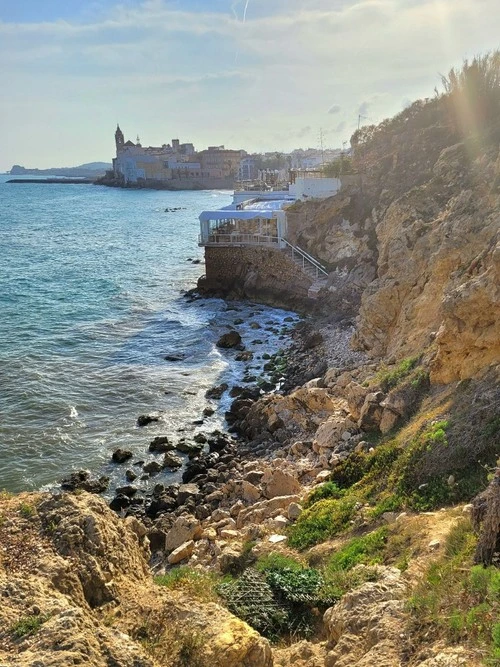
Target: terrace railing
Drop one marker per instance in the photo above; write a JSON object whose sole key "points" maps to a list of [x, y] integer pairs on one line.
{"points": [[308, 263]]}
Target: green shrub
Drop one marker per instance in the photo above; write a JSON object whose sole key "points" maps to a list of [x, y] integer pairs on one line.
{"points": [[390, 379], [276, 561], [27, 626], [323, 520], [367, 550], [326, 490]]}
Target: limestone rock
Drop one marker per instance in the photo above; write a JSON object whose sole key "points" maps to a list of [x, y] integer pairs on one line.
{"points": [[182, 552], [365, 626], [185, 528], [281, 484]]}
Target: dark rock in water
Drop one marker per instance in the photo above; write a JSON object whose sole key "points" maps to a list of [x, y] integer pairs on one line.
{"points": [[255, 325], [152, 467], [197, 422], [175, 357], [238, 321], [199, 466], [127, 490], [216, 392], [208, 412], [244, 356], [245, 392], [228, 340], [81, 480], [266, 355], [144, 420], [130, 475], [265, 385], [196, 261], [160, 444], [172, 461], [188, 447], [217, 442], [200, 438], [257, 341], [120, 502], [121, 455]]}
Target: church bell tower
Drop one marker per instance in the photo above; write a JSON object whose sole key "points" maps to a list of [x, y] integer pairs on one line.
{"points": [[119, 139]]}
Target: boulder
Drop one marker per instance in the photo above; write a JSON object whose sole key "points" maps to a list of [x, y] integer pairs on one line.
{"points": [[371, 412], [172, 461], [229, 340], [183, 552], [144, 420], [217, 391], [121, 455], [82, 480], [281, 484], [185, 528], [160, 444]]}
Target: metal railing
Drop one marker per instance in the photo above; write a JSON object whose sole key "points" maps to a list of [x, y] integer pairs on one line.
{"points": [[305, 260], [234, 238]]}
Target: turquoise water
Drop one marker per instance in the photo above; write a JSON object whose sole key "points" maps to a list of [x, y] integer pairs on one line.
{"points": [[91, 284]]}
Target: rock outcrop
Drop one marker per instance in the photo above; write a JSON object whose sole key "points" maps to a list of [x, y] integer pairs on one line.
{"points": [[76, 589]]}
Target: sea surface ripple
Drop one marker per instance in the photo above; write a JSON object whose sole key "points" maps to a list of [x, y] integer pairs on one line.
{"points": [[91, 299]]}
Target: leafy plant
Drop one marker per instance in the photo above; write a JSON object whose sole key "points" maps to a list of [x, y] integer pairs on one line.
{"points": [[367, 550], [326, 490], [27, 625], [323, 520]]}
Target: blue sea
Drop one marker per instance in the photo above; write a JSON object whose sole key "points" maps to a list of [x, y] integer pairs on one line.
{"points": [[92, 284]]}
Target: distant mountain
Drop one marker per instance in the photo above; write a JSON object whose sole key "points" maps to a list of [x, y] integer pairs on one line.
{"points": [[89, 170]]}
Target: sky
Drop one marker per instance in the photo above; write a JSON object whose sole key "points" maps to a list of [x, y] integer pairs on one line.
{"points": [[262, 75]]}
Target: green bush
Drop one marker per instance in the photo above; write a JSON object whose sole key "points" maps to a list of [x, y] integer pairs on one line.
{"points": [[277, 561], [323, 520], [326, 490], [28, 625], [391, 378], [367, 550]]}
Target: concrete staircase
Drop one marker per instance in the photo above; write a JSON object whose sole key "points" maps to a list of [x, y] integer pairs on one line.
{"points": [[309, 266]]}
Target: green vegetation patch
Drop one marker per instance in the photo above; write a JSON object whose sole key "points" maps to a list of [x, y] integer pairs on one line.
{"points": [[322, 521], [326, 490], [195, 583], [457, 601], [367, 550], [28, 625], [388, 379]]}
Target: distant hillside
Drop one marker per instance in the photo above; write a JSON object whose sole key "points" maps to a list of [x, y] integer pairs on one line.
{"points": [[90, 169]]}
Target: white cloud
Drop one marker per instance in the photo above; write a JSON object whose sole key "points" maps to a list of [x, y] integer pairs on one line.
{"points": [[158, 66]]}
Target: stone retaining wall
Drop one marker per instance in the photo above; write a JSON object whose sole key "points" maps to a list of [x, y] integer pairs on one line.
{"points": [[257, 273]]}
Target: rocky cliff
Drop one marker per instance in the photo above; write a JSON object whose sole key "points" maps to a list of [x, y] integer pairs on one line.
{"points": [[76, 588], [417, 241]]}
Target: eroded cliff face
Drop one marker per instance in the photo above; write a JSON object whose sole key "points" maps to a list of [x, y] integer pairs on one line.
{"points": [[437, 270], [418, 243], [75, 589]]}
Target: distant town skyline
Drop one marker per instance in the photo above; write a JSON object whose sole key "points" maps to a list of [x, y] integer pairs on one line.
{"points": [[261, 75]]}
